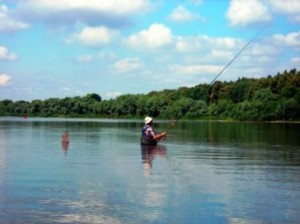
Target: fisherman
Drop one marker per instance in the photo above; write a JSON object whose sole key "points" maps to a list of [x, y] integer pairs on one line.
{"points": [[65, 137], [65, 141], [148, 135]]}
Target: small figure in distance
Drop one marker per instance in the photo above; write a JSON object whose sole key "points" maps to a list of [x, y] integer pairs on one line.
{"points": [[149, 137], [65, 137], [65, 141]]}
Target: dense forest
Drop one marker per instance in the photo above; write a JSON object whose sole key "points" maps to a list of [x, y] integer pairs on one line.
{"points": [[263, 99]]}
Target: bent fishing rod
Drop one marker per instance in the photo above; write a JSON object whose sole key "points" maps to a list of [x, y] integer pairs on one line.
{"points": [[170, 127], [226, 66], [235, 57]]}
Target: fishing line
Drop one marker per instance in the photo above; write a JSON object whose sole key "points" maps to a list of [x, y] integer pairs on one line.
{"points": [[232, 60]]}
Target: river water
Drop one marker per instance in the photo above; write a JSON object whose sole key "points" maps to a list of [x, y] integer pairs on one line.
{"points": [[204, 172]]}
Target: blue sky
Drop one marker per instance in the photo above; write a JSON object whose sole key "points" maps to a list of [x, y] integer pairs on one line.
{"points": [[74, 47]]}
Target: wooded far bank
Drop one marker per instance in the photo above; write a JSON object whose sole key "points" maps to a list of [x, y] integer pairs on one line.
{"points": [[247, 99]]}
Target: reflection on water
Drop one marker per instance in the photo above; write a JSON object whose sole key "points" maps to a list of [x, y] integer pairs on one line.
{"points": [[238, 132], [205, 172], [148, 154], [65, 147]]}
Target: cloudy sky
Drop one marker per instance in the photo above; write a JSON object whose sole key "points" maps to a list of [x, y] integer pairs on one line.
{"points": [[110, 47]]}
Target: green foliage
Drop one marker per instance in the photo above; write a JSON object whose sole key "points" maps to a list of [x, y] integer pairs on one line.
{"points": [[241, 91], [264, 99], [197, 110], [289, 91], [178, 108]]}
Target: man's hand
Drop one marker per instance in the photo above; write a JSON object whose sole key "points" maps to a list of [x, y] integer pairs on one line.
{"points": [[160, 136]]}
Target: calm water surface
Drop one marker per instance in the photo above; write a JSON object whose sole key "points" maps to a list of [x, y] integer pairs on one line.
{"points": [[204, 172]]}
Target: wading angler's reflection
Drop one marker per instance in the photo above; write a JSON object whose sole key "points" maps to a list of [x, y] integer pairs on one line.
{"points": [[148, 154]]}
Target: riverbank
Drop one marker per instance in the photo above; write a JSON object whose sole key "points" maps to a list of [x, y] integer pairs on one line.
{"points": [[141, 119]]}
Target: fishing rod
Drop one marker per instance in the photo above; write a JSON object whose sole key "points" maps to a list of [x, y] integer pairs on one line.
{"points": [[242, 49], [170, 127], [228, 64]]}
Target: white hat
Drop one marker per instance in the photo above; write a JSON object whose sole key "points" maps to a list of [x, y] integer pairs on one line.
{"points": [[148, 120]]}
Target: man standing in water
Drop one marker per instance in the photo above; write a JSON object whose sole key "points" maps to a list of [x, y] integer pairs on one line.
{"points": [[148, 135], [65, 141], [65, 137]]}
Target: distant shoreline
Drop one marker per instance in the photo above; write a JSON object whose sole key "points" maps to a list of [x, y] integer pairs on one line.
{"points": [[133, 119]]}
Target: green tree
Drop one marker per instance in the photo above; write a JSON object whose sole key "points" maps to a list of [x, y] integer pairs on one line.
{"points": [[125, 105], [6, 107], [289, 91], [291, 109], [268, 98], [179, 108], [156, 104], [21, 108], [36, 107], [264, 95], [241, 91], [222, 109], [200, 92], [197, 110], [214, 92]]}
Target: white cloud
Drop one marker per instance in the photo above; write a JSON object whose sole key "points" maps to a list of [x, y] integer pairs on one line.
{"points": [[291, 39], [203, 42], [222, 54], [5, 55], [243, 13], [113, 6], [284, 6], [295, 61], [156, 36], [194, 69], [226, 42], [127, 65], [181, 14], [205, 56], [260, 49], [297, 18], [7, 23], [4, 79], [290, 8], [93, 12], [182, 45], [65, 90], [110, 95], [94, 36]]}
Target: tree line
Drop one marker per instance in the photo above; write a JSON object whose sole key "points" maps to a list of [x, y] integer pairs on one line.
{"points": [[263, 99]]}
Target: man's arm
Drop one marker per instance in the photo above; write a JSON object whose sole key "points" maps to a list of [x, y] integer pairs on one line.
{"points": [[159, 136]]}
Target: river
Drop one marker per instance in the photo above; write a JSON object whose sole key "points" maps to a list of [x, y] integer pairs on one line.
{"points": [[203, 172]]}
